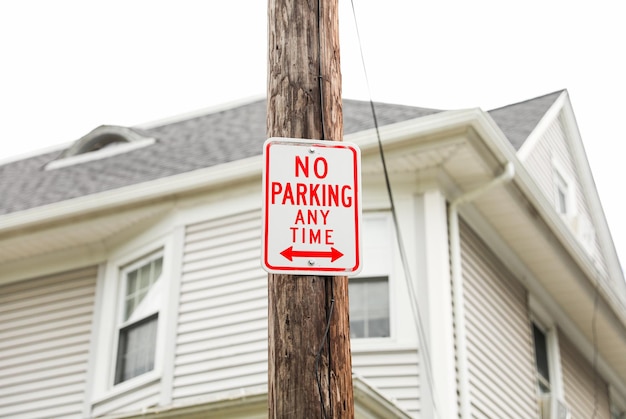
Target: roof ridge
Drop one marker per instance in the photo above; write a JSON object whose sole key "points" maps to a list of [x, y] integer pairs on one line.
{"points": [[556, 92], [518, 120]]}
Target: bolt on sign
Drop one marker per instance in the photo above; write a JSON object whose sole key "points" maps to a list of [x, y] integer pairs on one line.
{"points": [[311, 207]]}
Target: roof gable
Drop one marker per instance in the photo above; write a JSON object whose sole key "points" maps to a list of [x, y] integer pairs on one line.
{"points": [[518, 120], [553, 153]]}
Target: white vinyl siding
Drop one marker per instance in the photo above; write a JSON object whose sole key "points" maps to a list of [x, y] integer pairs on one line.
{"points": [[394, 372], [584, 390], [499, 339], [222, 333], [221, 345], [542, 361], [44, 345], [540, 162]]}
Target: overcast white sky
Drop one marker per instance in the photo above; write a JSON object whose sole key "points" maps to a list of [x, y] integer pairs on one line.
{"points": [[68, 66]]}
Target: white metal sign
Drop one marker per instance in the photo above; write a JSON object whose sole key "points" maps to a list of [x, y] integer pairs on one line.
{"points": [[311, 207]]}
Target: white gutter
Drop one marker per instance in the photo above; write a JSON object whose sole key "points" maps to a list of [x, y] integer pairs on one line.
{"points": [[457, 282]]}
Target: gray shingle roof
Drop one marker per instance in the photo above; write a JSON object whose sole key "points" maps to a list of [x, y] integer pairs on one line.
{"points": [[517, 121], [201, 142], [180, 147]]}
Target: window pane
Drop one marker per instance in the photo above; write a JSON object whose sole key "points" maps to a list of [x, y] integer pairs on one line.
{"points": [[131, 303], [562, 201], [158, 267], [136, 349], [139, 282], [562, 193], [132, 283], [129, 307], [369, 307], [541, 359], [144, 276], [357, 328], [378, 328]]}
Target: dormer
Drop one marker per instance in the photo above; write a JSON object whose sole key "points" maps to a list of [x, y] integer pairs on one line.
{"points": [[103, 141]]}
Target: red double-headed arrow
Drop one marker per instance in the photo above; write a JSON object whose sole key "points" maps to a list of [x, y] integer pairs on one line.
{"points": [[333, 254]]}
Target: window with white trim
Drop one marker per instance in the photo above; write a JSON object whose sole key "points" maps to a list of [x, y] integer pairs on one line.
{"points": [[564, 200], [369, 307], [541, 359], [562, 194], [134, 327], [617, 413], [617, 404], [370, 292], [137, 325], [549, 376]]}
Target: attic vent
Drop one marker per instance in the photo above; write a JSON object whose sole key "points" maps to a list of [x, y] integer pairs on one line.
{"points": [[104, 141], [100, 142]]}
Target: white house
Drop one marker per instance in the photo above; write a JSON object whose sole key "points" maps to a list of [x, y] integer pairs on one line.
{"points": [[131, 282]]}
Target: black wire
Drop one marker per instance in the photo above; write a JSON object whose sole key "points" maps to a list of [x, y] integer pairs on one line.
{"points": [[320, 80], [330, 353], [424, 348], [319, 351], [332, 299]]}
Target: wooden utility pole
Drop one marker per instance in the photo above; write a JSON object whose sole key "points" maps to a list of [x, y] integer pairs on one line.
{"points": [[304, 101]]}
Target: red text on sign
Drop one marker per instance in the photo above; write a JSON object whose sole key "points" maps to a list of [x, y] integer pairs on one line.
{"points": [[311, 235], [311, 216], [313, 194], [320, 167]]}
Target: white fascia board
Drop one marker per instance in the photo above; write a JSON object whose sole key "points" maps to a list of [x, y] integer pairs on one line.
{"points": [[497, 143], [539, 300], [135, 194], [414, 130], [562, 106], [585, 176]]}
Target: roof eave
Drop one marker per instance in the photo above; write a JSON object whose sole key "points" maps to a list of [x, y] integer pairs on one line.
{"points": [[609, 312], [134, 195], [210, 177], [368, 403]]}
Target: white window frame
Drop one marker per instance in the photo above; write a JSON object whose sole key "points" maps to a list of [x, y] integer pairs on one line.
{"points": [[547, 334], [123, 324], [110, 312], [563, 182], [384, 267], [617, 403], [540, 317]]}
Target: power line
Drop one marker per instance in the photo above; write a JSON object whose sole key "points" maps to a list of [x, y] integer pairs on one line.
{"points": [[412, 294]]}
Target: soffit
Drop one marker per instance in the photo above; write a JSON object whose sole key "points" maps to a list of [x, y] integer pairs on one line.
{"points": [[88, 230], [523, 220], [547, 256]]}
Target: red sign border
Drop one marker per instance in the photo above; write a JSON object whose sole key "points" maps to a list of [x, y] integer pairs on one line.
{"points": [[357, 211]]}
